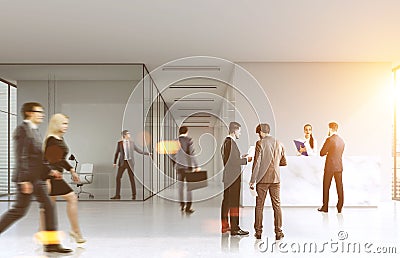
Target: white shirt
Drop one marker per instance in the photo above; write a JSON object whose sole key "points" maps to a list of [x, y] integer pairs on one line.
{"points": [[230, 136], [31, 125], [126, 149]]}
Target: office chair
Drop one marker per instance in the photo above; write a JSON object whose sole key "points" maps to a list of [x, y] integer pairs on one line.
{"points": [[85, 177]]}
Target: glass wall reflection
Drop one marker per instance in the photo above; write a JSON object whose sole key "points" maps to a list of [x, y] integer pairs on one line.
{"points": [[101, 101]]}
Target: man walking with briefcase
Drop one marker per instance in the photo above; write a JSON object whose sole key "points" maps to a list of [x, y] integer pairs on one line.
{"points": [[185, 160]]}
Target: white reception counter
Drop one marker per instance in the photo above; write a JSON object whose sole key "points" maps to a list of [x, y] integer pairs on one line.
{"points": [[301, 182]]}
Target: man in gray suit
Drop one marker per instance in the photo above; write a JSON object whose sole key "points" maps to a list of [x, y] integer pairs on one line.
{"points": [[269, 155], [333, 149], [126, 161], [185, 160]]}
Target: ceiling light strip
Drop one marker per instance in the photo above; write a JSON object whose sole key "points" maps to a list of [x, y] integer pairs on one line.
{"points": [[196, 109], [210, 100], [192, 87], [191, 68]]}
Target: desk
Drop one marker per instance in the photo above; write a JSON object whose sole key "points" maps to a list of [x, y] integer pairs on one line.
{"points": [[301, 182]]}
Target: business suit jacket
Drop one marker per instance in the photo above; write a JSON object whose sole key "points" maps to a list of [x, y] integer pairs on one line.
{"points": [[269, 155], [121, 153], [232, 161], [29, 155], [333, 148], [185, 158]]}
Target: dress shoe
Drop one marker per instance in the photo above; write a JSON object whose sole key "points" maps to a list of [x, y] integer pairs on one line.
{"points": [[240, 232], [189, 211], [56, 249], [224, 230], [77, 237], [116, 197], [279, 236], [322, 210], [257, 236]]}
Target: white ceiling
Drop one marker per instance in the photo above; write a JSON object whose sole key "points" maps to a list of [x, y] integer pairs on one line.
{"points": [[130, 72], [154, 32]]}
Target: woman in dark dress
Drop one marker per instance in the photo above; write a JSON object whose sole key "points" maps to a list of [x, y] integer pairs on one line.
{"points": [[55, 151]]}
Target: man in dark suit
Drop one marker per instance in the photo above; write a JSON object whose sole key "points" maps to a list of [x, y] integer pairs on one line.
{"points": [[125, 151], [232, 178], [29, 176], [184, 160], [333, 149], [269, 155]]}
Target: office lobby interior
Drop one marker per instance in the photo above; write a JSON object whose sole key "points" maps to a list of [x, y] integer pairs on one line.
{"points": [[150, 67]]}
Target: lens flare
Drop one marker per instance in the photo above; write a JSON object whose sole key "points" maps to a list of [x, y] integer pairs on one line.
{"points": [[143, 139], [168, 147], [48, 237]]}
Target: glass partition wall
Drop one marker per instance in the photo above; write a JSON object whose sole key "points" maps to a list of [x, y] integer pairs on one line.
{"points": [[160, 126], [100, 100]]}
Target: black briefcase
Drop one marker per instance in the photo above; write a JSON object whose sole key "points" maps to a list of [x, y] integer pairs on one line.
{"points": [[196, 180]]}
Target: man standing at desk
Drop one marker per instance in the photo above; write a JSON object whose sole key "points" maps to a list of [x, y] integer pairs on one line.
{"points": [[232, 179], [269, 155], [333, 149]]}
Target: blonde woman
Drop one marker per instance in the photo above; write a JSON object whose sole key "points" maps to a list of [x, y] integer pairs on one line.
{"points": [[55, 152]]}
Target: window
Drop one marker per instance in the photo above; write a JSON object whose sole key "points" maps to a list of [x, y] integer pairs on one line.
{"points": [[8, 119], [396, 136]]}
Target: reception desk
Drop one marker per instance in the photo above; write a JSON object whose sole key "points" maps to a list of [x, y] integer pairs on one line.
{"points": [[301, 182]]}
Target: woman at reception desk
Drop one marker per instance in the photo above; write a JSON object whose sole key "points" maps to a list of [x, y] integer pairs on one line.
{"points": [[301, 179], [307, 146]]}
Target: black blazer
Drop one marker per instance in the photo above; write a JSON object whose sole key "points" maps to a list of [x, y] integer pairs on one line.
{"points": [[333, 148], [120, 151], [232, 161], [55, 152], [29, 155]]}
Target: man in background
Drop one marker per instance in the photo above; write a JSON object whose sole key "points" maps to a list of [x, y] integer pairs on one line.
{"points": [[185, 160], [333, 149], [125, 151]]}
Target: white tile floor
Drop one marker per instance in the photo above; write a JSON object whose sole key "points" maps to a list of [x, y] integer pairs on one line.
{"points": [[157, 228]]}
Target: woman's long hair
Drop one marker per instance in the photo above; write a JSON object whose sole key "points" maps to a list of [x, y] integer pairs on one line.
{"points": [[54, 127], [311, 137]]}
